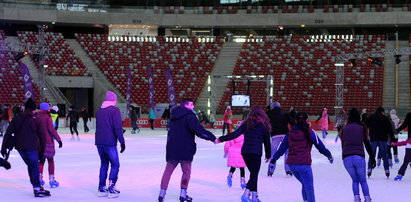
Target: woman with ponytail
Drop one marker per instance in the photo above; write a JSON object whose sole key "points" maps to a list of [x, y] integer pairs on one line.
{"points": [[256, 129], [299, 141]]}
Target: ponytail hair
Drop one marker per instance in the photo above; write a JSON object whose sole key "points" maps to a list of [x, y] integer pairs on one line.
{"points": [[301, 119]]}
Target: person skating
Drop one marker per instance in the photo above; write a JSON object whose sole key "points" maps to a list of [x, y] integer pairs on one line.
{"points": [[232, 151], [108, 132], [256, 129], [152, 117], [74, 119], [324, 121], [47, 130], [227, 120], [354, 136], [396, 121], [212, 120], [5, 118], [407, 157], [55, 117], [29, 142], [299, 141], [86, 117], [133, 117], [279, 127], [340, 120], [181, 146], [380, 131]]}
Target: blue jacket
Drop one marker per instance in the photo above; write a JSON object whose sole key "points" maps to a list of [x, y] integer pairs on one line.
{"points": [[299, 147], [183, 127], [109, 127], [253, 139]]}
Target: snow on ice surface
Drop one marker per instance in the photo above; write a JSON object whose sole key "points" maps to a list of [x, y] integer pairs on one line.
{"points": [[143, 162]]}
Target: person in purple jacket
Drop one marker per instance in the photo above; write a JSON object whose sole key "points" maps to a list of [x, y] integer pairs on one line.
{"points": [[354, 136], [299, 141], [108, 132]]}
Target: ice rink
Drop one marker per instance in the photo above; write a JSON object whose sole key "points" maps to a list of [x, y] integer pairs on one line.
{"points": [[142, 164]]}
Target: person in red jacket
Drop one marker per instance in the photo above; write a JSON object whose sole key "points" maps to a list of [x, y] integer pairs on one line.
{"points": [[47, 129], [227, 120]]}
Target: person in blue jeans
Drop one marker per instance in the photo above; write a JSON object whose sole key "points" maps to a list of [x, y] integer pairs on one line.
{"points": [[354, 136], [109, 130], [299, 141]]}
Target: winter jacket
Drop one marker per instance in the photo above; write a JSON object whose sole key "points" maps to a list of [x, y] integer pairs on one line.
{"points": [[405, 124], [227, 116], [6, 114], [133, 114], [166, 114], [232, 149], [151, 114], [324, 120], [254, 138], [183, 128], [47, 130], [73, 115], [354, 138], [394, 118], [380, 128], [279, 121], [26, 128], [299, 147], [84, 114], [109, 127]]}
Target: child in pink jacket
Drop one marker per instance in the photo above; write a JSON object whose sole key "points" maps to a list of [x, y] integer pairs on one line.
{"points": [[232, 150]]}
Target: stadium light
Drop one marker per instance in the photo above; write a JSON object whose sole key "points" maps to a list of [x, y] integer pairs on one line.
{"points": [[20, 55]]}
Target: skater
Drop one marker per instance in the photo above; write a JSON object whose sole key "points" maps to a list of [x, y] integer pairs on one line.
{"points": [[47, 130], [339, 123], [389, 146], [232, 151], [227, 120], [256, 129], [364, 115], [396, 122], [279, 127], [204, 119], [407, 158], [29, 142], [380, 130], [299, 141], [152, 117], [324, 121], [354, 136], [55, 116], [86, 117], [5, 164], [108, 132], [212, 119], [166, 115], [133, 118], [74, 119], [181, 146], [5, 119]]}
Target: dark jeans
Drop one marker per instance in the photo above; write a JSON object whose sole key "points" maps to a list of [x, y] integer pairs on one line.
{"points": [[304, 174], [73, 127], [134, 124], [168, 171], [108, 154], [31, 158], [382, 152], [355, 166], [407, 160], [395, 148], [152, 124], [86, 129], [253, 162], [226, 125]]}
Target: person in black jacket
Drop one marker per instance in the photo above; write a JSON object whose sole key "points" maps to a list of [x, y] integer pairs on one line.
{"points": [[134, 113], [380, 130], [181, 146], [279, 127], [74, 119], [86, 117], [256, 129], [29, 142]]}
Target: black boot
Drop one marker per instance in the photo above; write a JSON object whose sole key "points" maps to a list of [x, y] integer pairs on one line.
{"points": [[41, 192], [184, 197]]}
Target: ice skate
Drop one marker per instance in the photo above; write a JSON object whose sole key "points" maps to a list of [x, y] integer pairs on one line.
{"points": [[229, 180], [254, 197], [378, 162], [396, 160], [53, 183], [246, 196], [271, 169], [184, 197], [112, 191], [161, 195], [367, 199], [102, 192], [41, 180], [133, 132], [398, 178], [72, 138], [369, 172], [41, 192], [242, 182], [390, 163], [357, 198], [387, 173], [288, 173]]}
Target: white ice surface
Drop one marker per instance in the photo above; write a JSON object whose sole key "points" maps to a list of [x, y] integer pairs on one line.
{"points": [[142, 164]]}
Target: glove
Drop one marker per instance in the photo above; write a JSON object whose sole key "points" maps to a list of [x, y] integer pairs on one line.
{"points": [[60, 144], [373, 163], [331, 159], [225, 155], [216, 141], [123, 147]]}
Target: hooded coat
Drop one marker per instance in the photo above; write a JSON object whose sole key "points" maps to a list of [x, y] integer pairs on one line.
{"points": [[184, 126], [233, 150], [50, 134]]}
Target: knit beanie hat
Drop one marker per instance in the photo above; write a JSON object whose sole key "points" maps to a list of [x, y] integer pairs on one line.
{"points": [[44, 106], [110, 96], [275, 105], [30, 104]]}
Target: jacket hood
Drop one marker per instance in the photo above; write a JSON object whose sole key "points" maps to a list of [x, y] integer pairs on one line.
{"points": [[179, 112], [27, 114]]}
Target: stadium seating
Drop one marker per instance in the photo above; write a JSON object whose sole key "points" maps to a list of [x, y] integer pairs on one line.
{"points": [[303, 70], [11, 82], [61, 61], [189, 60]]}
